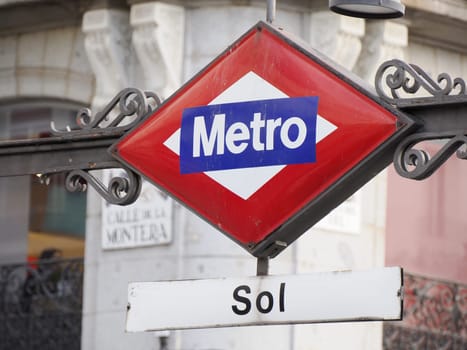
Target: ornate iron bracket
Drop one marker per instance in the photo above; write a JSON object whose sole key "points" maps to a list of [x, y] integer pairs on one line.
{"points": [[121, 190], [85, 149], [125, 111], [121, 114], [439, 108], [409, 79]]}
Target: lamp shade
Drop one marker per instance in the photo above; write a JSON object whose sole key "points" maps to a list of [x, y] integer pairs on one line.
{"points": [[373, 9]]}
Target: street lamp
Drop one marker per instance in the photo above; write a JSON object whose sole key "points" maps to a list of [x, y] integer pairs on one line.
{"points": [[372, 9]]}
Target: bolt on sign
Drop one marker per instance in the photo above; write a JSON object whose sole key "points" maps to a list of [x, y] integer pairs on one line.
{"points": [[266, 140]]}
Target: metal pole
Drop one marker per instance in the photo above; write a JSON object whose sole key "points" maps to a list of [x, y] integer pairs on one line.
{"points": [[262, 267], [271, 11]]}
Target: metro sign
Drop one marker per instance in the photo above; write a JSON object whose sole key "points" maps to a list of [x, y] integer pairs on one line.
{"points": [[257, 141], [265, 141]]}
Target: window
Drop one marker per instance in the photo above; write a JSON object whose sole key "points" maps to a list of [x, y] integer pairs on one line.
{"points": [[56, 217]]}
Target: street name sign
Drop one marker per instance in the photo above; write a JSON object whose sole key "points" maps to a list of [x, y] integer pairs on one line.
{"points": [[266, 140], [147, 222], [266, 300]]}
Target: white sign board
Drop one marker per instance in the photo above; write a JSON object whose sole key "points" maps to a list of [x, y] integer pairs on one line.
{"points": [[146, 222], [264, 300]]}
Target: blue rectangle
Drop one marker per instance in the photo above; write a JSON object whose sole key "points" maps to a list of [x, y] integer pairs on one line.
{"points": [[248, 134]]}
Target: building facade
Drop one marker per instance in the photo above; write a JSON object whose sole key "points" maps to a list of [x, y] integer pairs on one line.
{"points": [[59, 56]]}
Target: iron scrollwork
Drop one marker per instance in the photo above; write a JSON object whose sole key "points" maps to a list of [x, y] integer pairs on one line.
{"points": [[121, 190], [409, 79], [126, 110], [417, 164], [436, 105]]}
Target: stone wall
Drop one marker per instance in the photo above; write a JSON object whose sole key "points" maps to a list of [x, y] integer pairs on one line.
{"points": [[46, 64]]}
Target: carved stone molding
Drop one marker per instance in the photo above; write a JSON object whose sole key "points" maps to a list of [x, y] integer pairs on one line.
{"points": [[107, 44], [158, 31], [338, 37], [383, 40]]}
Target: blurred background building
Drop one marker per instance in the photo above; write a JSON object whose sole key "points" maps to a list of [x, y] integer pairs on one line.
{"points": [[66, 258]]}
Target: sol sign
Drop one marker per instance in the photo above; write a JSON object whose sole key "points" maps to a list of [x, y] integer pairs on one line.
{"points": [[265, 300]]}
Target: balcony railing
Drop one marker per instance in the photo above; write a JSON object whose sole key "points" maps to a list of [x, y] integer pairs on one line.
{"points": [[40, 305]]}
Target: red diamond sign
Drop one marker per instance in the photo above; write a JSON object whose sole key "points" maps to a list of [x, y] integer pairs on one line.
{"points": [[265, 141]]}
